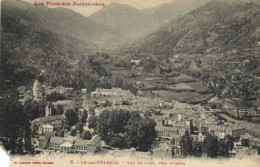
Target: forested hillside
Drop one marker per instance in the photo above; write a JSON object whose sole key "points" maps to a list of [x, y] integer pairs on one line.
{"points": [[217, 43], [29, 49]]}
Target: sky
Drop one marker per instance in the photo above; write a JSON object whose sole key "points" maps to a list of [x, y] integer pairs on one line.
{"points": [[88, 10]]}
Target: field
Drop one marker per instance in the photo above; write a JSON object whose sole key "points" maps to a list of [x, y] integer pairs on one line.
{"points": [[188, 97]]}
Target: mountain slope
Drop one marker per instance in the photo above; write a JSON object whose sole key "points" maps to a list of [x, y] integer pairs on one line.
{"points": [[218, 25], [217, 43], [128, 22], [133, 24], [63, 21], [175, 9], [112, 27], [27, 48]]}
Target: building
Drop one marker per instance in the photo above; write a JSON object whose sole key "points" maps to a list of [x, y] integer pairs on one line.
{"points": [[164, 131], [136, 62], [66, 147], [59, 89], [72, 144], [236, 131], [55, 143], [114, 92], [48, 111], [45, 128], [55, 121], [200, 138], [66, 104], [81, 145], [94, 144]]}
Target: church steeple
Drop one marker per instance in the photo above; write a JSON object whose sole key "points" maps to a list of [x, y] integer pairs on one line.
{"points": [[47, 110]]}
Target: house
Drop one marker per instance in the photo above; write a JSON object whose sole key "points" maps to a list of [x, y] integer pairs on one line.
{"points": [[199, 138], [164, 131], [66, 104], [236, 131], [245, 139], [81, 145], [72, 144], [66, 147], [255, 142], [114, 92], [87, 146], [118, 101], [55, 143], [45, 128], [136, 62], [59, 89], [56, 121], [94, 144]]}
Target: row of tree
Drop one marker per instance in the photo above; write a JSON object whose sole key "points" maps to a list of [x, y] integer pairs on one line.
{"points": [[15, 132], [211, 146], [124, 129]]}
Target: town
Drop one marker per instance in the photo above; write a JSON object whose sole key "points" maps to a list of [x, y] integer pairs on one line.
{"points": [[68, 124]]}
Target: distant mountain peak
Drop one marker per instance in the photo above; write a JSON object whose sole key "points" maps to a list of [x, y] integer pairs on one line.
{"points": [[115, 4]]}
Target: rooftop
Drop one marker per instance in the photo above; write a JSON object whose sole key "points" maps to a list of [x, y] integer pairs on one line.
{"points": [[81, 142], [49, 118], [56, 140], [67, 144], [47, 126]]}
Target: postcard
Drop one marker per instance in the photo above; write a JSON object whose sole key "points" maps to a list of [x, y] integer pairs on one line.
{"points": [[130, 83]]}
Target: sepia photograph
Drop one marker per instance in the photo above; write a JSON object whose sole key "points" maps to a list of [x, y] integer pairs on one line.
{"points": [[130, 83]]}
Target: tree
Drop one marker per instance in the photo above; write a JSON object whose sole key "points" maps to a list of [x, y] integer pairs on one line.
{"points": [[12, 144], [79, 126], [92, 122], [118, 141], [222, 148], [186, 144], [28, 139], [73, 132], [53, 110], [191, 127], [11, 113], [230, 142], [102, 125], [60, 110], [140, 132], [86, 135], [197, 148], [60, 132], [20, 146], [210, 145], [71, 117], [117, 120], [84, 117], [55, 97], [112, 123]]}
